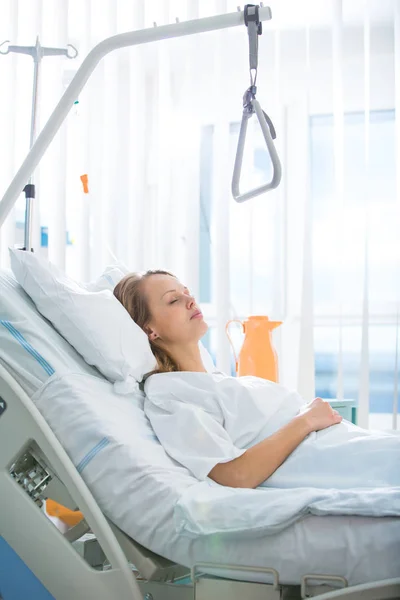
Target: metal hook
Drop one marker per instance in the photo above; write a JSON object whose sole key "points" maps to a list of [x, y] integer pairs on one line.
{"points": [[2, 44], [68, 55]]}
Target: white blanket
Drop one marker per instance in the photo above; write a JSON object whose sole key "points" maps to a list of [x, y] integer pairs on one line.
{"points": [[207, 508]]}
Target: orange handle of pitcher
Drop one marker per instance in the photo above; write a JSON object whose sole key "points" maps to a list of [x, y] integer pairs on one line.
{"points": [[230, 340]]}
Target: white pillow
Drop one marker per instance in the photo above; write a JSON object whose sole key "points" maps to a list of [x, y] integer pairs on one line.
{"points": [[94, 322]]}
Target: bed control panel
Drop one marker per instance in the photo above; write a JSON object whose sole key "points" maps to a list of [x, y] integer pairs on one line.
{"points": [[31, 473]]}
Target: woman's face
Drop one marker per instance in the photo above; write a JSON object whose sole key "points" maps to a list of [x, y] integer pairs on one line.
{"points": [[175, 316]]}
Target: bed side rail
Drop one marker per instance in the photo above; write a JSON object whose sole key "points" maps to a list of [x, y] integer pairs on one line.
{"points": [[378, 590]]}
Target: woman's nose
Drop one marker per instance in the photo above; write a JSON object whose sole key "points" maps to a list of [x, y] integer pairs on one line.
{"points": [[191, 302]]}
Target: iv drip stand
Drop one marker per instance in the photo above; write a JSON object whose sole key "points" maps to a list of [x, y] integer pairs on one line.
{"points": [[37, 52]]}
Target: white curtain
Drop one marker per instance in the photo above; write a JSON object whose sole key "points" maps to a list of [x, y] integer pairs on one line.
{"points": [[320, 253]]}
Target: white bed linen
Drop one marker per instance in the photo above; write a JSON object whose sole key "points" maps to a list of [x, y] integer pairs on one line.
{"points": [[361, 549], [94, 323], [30, 348], [137, 485]]}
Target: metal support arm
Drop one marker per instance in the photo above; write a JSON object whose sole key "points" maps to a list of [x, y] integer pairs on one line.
{"points": [[122, 40]]}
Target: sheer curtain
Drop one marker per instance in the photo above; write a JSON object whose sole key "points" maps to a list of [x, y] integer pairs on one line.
{"points": [[155, 132]]}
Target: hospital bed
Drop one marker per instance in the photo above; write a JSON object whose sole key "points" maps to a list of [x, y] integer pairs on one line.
{"points": [[130, 548], [97, 559]]}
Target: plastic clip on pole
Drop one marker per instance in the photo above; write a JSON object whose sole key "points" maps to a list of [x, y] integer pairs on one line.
{"points": [[250, 106], [29, 191]]}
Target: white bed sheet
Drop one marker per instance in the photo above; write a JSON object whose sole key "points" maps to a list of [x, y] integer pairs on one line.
{"points": [[360, 549], [30, 348]]}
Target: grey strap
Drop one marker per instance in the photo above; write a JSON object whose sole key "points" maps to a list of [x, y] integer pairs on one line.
{"points": [[252, 30]]}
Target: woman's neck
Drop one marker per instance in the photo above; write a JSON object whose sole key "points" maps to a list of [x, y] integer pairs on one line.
{"points": [[188, 358]]}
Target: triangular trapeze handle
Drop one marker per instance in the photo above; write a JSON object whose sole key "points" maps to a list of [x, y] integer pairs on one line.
{"points": [[269, 134]]}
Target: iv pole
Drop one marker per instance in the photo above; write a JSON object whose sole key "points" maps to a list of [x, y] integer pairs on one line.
{"points": [[37, 52]]}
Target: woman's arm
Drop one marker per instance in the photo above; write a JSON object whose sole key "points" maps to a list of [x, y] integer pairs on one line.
{"points": [[259, 462]]}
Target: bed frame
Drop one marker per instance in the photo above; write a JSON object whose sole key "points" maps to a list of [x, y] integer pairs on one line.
{"points": [[107, 563]]}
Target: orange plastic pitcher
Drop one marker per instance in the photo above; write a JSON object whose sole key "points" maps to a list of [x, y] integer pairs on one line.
{"points": [[257, 356]]}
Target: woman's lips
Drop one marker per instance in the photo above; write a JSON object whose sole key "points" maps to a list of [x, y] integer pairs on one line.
{"points": [[197, 315]]}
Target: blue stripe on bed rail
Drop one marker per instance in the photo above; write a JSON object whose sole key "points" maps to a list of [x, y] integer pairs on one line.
{"points": [[90, 455], [20, 338]]}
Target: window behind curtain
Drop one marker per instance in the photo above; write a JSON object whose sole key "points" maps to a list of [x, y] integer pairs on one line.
{"points": [[378, 186]]}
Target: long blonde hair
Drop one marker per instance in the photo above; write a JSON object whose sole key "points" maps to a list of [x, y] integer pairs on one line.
{"points": [[129, 291]]}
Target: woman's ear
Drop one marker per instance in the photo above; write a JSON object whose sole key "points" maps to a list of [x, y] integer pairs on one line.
{"points": [[151, 334]]}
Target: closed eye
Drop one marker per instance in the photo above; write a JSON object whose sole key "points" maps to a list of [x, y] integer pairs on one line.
{"points": [[173, 301]]}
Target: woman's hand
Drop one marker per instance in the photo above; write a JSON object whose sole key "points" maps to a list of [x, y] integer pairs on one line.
{"points": [[320, 415]]}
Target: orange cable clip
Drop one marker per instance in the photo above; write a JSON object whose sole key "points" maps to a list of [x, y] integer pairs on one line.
{"points": [[85, 183]]}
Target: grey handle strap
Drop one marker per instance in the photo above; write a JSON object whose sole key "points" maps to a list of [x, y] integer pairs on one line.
{"points": [[254, 29]]}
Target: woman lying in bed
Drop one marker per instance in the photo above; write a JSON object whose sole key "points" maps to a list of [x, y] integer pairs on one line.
{"points": [[242, 432]]}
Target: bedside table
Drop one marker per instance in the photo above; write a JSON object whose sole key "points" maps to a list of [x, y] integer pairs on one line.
{"points": [[347, 408]]}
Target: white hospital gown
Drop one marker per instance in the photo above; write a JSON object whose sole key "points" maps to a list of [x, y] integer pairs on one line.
{"points": [[203, 419]]}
